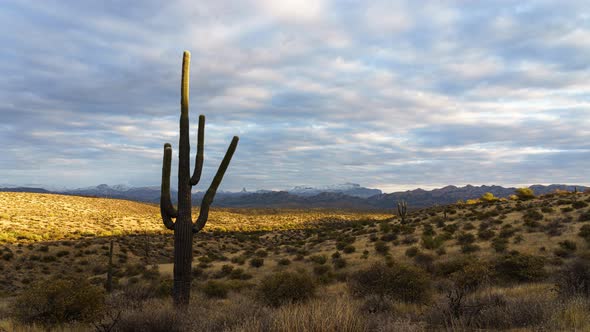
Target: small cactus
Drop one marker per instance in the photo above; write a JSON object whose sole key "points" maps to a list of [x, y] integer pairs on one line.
{"points": [[402, 210], [109, 282]]}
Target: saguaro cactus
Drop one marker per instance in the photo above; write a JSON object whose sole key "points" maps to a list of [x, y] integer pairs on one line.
{"points": [[183, 226], [402, 210]]}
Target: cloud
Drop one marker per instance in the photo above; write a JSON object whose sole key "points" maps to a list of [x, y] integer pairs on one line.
{"points": [[387, 94]]}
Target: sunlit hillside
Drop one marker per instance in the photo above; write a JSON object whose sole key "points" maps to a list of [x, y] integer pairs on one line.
{"points": [[26, 217]]}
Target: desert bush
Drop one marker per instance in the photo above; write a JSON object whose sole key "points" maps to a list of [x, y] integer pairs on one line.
{"points": [[574, 279], [339, 263], [430, 242], [286, 287], [500, 244], [524, 194], [319, 259], [469, 248], [349, 249], [579, 204], [58, 301], [520, 267], [215, 289], [585, 216], [412, 251], [465, 238], [486, 234], [257, 262], [381, 247], [401, 282], [284, 262]]}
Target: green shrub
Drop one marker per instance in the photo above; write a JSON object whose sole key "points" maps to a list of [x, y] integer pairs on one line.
{"points": [[412, 251], [58, 301], [401, 282], [520, 267], [349, 249], [584, 216], [339, 263], [469, 248], [257, 262], [430, 242], [381, 247], [579, 204], [465, 238], [215, 289], [284, 262], [319, 259], [286, 287], [486, 234]]}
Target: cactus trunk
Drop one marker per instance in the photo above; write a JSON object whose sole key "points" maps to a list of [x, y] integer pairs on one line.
{"points": [[183, 226]]}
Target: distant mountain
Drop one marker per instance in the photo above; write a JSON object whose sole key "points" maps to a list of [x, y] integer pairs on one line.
{"points": [[350, 189], [25, 190], [347, 196]]}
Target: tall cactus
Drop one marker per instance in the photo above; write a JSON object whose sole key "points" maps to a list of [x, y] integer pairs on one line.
{"points": [[183, 226], [402, 210]]}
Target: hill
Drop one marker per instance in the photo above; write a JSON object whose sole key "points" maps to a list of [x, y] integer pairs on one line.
{"points": [[510, 255]]}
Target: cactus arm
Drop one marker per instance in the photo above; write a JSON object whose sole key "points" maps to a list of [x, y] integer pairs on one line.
{"points": [[199, 159], [210, 194], [166, 208]]}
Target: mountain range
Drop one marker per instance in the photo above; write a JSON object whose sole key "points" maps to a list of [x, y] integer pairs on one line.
{"points": [[344, 196]]}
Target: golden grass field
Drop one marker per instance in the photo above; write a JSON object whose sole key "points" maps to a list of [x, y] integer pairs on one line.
{"points": [[44, 236]]}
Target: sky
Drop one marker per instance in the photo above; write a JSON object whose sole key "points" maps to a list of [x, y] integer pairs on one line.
{"points": [[389, 94]]}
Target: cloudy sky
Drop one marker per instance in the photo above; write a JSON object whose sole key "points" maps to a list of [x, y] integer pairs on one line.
{"points": [[389, 94]]}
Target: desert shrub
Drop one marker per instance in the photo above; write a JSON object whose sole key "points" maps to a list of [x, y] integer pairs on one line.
{"points": [[430, 242], [381, 247], [574, 279], [412, 251], [215, 289], [465, 238], [520, 267], [533, 215], [398, 281], [349, 249], [257, 262], [339, 263], [319, 259], [450, 228], [584, 216], [58, 301], [486, 234], [427, 230], [547, 209], [488, 198], [424, 261], [321, 269], [500, 244], [469, 248], [579, 204], [261, 253], [284, 262], [286, 287], [568, 245], [524, 194]]}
